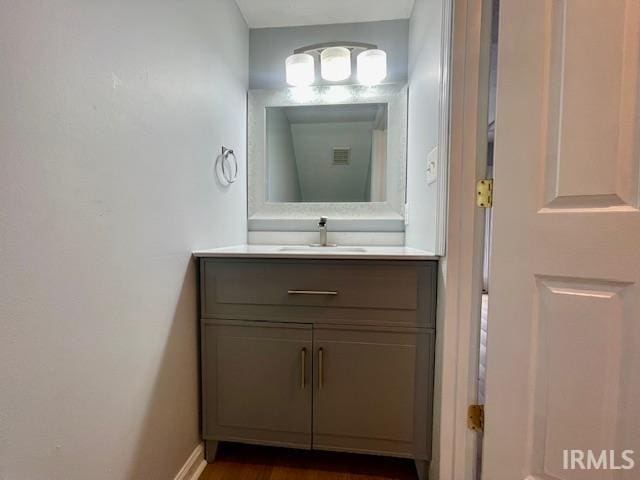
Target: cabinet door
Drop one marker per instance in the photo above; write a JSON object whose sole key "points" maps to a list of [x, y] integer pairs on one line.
{"points": [[373, 391], [257, 382]]}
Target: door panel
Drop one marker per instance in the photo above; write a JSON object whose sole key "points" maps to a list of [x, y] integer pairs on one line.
{"points": [[372, 391], [254, 388], [577, 368], [564, 339], [589, 57]]}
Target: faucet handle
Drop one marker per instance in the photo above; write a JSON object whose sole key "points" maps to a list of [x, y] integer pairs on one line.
{"points": [[323, 221]]}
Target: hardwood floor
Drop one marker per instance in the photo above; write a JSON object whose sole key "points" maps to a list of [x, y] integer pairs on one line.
{"points": [[243, 462]]}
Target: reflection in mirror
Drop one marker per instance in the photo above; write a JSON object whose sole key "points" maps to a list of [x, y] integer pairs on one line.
{"points": [[327, 153]]}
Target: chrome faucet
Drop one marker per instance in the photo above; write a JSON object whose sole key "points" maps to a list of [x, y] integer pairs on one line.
{"points": [[322, 227]]}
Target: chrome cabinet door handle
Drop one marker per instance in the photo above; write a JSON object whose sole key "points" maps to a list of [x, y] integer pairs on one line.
{"points": [[303, 368], [320, 368], [312, 292]]}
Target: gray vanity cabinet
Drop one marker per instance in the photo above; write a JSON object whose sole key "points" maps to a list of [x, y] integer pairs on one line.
{"points": [[322, 354]]}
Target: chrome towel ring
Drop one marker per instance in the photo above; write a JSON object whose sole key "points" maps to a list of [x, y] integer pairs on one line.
{"points": [[227, 167]]}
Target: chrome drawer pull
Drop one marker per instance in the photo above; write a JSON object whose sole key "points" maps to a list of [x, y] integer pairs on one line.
{"points": [[311, 292]]}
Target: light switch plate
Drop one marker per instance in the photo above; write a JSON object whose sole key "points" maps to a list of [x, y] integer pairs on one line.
{"points": [[432, 166]]}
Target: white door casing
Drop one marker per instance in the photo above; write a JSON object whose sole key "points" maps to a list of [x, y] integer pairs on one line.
{"points": [[564, 331]]}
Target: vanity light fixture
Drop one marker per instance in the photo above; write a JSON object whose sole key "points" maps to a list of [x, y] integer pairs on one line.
{"points": [[372, 66], [335, 63], [301, 70]]}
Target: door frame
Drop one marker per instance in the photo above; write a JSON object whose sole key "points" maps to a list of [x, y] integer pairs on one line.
{"points": [[460, 276]]}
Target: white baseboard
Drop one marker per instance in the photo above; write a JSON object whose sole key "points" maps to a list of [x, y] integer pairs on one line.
{"points": [[194, 465]]}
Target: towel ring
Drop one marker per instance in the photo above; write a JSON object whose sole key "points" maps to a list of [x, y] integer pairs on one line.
{"points": [[227, 167]]}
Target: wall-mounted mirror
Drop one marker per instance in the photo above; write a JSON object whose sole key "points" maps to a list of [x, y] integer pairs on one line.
{"points": [[337, 151], [327, 153]]}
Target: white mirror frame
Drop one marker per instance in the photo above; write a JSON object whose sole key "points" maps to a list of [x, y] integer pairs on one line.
{"points": [[351, 217]]}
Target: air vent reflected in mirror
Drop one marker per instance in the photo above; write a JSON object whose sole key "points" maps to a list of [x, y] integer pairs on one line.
{"points": [[341, 156]]}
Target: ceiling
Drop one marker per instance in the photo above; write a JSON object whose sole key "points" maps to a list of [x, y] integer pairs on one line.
{"points": [[288, 13]]}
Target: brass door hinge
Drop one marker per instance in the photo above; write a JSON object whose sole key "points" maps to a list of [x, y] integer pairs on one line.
{"points": [[475, 418], [484, 193]]}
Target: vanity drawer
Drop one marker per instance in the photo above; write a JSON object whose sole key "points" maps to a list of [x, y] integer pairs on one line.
{"points": [[320, 289]]}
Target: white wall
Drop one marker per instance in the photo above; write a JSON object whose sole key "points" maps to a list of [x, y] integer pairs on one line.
{"points": [[425, 30], [283, 182], [425, 76], [112, 113], [270, 47], [320, 179]]}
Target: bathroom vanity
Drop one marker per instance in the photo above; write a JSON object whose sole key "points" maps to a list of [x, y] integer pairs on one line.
{"points": [[319, 348], [322, 347]]}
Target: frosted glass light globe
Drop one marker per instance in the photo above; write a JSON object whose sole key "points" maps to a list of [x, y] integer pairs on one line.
{"points": [[335, 64], [301, 70], [372, 67]]}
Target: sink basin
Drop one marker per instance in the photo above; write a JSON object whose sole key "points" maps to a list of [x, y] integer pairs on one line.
{"points": [[310, 248]]}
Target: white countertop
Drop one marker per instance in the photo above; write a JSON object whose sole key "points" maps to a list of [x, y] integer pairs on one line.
{"points": [[304, 251]]}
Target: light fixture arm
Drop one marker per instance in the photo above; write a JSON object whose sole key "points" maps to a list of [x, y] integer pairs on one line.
{"points": [[318, 47]]}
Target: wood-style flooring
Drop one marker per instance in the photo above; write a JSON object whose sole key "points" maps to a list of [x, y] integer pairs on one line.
{"points": [[244, 462]]}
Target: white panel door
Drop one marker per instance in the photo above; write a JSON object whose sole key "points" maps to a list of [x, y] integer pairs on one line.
{"points": [[563, 367]]}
